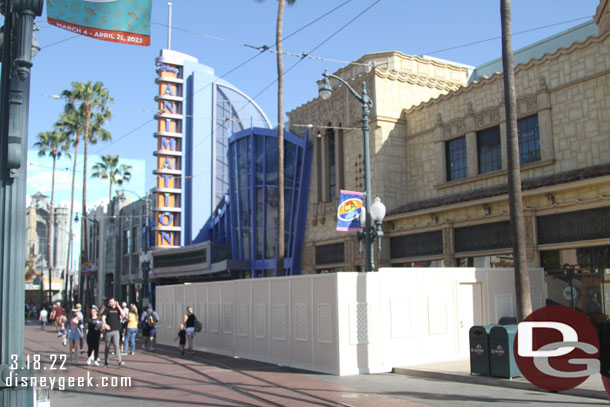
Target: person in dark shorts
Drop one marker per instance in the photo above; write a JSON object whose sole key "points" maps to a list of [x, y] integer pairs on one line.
{"points": [[112, 324], [149, 331], [182, 336]]}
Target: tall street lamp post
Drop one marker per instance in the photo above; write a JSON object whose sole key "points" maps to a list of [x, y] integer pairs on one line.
{"points": [[146, 256], [146, 259], [87, 296], [369, 233], [17, 51]]}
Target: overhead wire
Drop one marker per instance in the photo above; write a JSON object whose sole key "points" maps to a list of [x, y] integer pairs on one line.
{"points": [[262, 50], [301, 55], [240, 65], [499, 37], [319, 45]]}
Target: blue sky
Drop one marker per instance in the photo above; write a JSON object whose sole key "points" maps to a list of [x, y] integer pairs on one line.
{"points": [[412, 27]]}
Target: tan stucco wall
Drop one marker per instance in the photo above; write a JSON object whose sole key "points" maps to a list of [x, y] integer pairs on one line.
{"points": [[420, 104]]}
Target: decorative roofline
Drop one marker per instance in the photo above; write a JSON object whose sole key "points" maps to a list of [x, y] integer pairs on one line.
{"points": [[499, 75], [420, 80]]}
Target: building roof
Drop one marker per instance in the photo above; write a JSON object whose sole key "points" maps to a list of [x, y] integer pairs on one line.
{"points": [[538, 49]]}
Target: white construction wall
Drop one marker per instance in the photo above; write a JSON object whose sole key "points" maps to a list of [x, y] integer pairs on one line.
{"points": [[345, 323]]}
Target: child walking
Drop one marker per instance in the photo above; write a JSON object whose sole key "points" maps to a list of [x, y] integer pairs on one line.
{"points": [[182, 336]]}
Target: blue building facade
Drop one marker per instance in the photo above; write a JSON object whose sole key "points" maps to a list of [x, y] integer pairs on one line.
{"points": [[215, 110], [217, 193], [198, 113], [245, 222]]}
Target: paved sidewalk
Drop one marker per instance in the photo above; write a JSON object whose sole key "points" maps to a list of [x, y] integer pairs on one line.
{"points": [[459, 371], [165, 379]]}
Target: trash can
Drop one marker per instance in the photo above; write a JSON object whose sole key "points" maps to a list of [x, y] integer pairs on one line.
{"points": [[501, 355], [508, 321], [479, 349]]}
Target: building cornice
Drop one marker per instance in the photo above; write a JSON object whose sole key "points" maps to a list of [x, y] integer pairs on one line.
{"points": [[418, 80], [498, 76], [384, 65], [571, 179]]}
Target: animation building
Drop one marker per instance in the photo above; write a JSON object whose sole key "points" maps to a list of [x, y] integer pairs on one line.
{"points": [[216, 198], [197, 113]]}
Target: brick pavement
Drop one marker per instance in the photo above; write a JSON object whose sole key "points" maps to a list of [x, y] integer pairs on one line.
{"points": [[164, 378]]}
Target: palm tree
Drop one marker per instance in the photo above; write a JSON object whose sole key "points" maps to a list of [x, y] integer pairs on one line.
{"points": [[71, 125], [110, 169], [52, 143], [280, 135], [522, 281], [92, 100]]}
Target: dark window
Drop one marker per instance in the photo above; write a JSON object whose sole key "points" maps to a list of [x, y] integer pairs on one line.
{"points": [[134, 232], [319, 168], [330, 253], [575, 226], [529, 140], [332, 165], [490, 150], [488, 236], [419, 244], [126, 241], [457, 166]]}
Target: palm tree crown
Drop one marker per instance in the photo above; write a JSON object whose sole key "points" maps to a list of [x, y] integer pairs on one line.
{"points": [[110, 169]]}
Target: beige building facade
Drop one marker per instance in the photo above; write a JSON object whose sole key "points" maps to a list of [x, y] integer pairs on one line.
{"points": [[438, 162]]}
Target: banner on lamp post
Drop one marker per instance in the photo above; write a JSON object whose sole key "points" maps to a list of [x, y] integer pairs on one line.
{"points": [[86, 269], [122, 21], [348, 212]]}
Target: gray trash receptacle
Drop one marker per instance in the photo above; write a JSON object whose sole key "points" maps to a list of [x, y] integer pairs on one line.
{"points": [[501, 354], [479, 349], [507, 321]]}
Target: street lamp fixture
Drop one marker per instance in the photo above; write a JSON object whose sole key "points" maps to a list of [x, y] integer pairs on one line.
{"points": [[92, 273], [146, 259], [376, 214]]}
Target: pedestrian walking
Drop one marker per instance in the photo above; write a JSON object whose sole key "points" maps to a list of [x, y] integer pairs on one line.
{"points": [[81, 326], [182, 337], [74, 334], [112, 324], [131, 330], [63, 329], [56, 314], [43, 318], [189, 324], [124, 326], [94, 334], [149, 331]]}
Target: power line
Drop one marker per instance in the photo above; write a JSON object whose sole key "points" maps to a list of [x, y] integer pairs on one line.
{"points": [[215, 118], [498, 38], [319, 45], [303, 55], [42, 48], [238, 66]]}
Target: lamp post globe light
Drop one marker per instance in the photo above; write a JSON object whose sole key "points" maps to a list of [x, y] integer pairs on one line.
{"points": [[375, 212]]}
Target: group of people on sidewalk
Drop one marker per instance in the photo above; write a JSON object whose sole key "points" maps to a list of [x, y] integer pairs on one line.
{"points": [[116, 324]]}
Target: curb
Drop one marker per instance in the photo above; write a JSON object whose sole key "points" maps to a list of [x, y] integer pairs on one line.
{"points": [[492, 381]]}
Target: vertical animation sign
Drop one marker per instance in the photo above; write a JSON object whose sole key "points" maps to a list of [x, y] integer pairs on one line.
{"points": [[168, 192]]}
